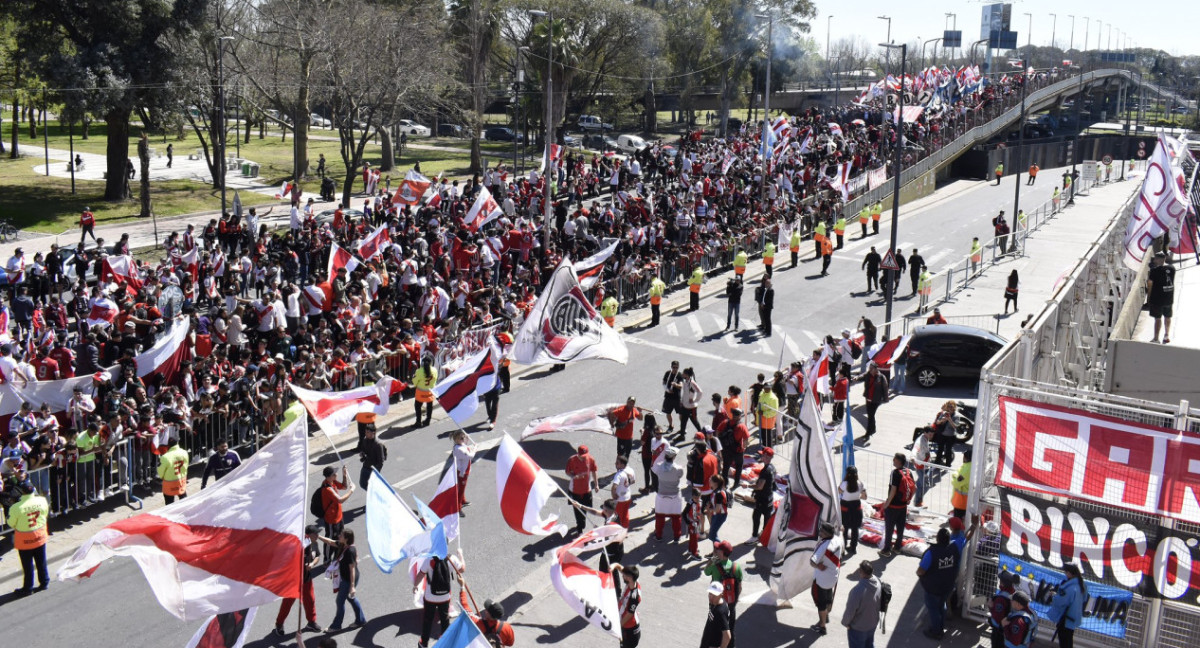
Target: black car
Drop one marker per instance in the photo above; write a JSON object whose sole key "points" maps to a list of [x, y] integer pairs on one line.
{"points": [[501, 134], [951, 351], [599, 143], [451, 130]]}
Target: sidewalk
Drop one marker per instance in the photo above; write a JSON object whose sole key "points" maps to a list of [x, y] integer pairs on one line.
{"points": [[182, 168]]}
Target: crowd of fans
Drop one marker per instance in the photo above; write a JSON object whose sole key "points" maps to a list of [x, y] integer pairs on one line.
{"points": [[257, 323]]}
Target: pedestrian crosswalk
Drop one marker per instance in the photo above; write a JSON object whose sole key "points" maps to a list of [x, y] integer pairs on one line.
{"points": [[702, 334]]}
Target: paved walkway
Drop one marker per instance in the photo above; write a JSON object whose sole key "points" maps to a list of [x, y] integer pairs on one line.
{"points": [[182, 168]]}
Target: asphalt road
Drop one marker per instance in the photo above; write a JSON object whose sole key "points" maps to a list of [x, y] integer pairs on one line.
{"points": [[115, 608]]}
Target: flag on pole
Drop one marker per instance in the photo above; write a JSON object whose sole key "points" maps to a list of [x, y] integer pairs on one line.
{"points": [[228, 630], [887, 353], [589, 419], [524, 488], [445, 501], [564, 327], [335, 411], [591, 593], [121, 270], [483, 211], [1161, 206], [225, 548], [818, 373], [591, 269], [374, 243], [391, 524], [411, 189], [191, 263], [847, 443], [285, 190], [434, 527], [462, 633], [811, 499], [459, 392], [340, 257]]}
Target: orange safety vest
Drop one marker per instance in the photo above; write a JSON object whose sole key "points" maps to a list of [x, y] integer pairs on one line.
{"points": [[826, 247], [505, 339]]}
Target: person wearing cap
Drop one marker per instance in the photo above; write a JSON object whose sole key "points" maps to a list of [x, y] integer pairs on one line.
{"points": [[827, 562], [668, 503], [581, 470], [331, 503], [938, 572], [312, 559], [28, 518], [489, 620], [1000, 607], [861, 617], [764, 494], [936, 317], [718, 629], [726, 573], [372, 453], [1020, 627]]}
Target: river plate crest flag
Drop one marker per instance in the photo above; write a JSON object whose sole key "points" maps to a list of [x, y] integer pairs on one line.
{"points": [[564, 327]]}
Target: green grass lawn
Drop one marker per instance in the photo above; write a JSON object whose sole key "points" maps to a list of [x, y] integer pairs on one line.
{"points": [[45, 204]]}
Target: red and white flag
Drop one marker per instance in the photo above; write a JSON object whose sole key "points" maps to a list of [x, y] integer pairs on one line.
{"points": [[818, 373], [102, 311], [374, 243], [225, 548], [411, 190], [590, 592], [887, 353], [523, 488], [445, 501], [340, 257], [191, 263], [434, 303], [228, 630], [835, 129], [285, 190], [167, 354], [589, 419], [459, 392], [319, 297], [555, 154], [335, 411], [434, 201], [121, 270], [1161, 206], [564, 327], [484, 211], [591, 269]]}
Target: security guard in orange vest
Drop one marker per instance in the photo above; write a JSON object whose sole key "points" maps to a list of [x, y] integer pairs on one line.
{"points": [[505, 338], [27, 518], [424, 380], [769, 257], [876, 213], [826, 255], [173, 470], [794, 245], [694, 283], [819, 235], [864, 215], [839, 230], [739, 262], [657, 288], [608, 310]]}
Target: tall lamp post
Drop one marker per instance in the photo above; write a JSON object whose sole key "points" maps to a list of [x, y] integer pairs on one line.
{"points": [[547, 221], [828, 31], [762, 190], [1072, 17], [888, 60], [923, 45], [1029, 43], [1053, 31], [221, 164], [899, 161], [1020, 161]]}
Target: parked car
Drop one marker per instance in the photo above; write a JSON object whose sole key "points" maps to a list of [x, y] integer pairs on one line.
{"points": [[276, 116], [600, 143], [1180, 110], [949, 351], [326, 216], [451, 130], [501, 134], [412, 128], [592, 123], [630, 143], [316, 120], [571, 141], [734, 124]]}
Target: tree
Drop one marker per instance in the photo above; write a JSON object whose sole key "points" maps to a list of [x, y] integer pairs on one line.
{"points": [[475, 25], [114, 51]]}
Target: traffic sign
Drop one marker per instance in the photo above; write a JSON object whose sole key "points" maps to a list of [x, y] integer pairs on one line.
{"points": [[1107, 159], [889, 262], [1141, 153]]}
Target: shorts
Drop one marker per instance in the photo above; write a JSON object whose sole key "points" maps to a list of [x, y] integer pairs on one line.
{"points": [[1161, 310], [671, 405], [822, 598]]}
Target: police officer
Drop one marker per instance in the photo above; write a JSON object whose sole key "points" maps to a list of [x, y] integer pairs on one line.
{"points": [[694, 283], [1021, 625], [657, 288], [937, 572], [173, 470], [27, 518]]}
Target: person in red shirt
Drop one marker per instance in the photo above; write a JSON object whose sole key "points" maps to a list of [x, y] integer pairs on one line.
{"points": [[45, 367], [65, 358], [87, 223], [581, 469], [331, 503], [733, 436], [623, 419], [841, 393]]}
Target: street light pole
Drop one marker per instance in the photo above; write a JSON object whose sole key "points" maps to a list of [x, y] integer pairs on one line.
{"points": [[762, 189], [1053, 29], [1029, 43], [898, 163], [1020, 161], [1087, 25], [955, 28], [547, 221], [828, 27], [221, 134], [923, 46], [888, 60]]}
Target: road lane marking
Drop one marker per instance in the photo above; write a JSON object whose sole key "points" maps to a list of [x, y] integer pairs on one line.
{"points": [[436, 469], [695, 353]]}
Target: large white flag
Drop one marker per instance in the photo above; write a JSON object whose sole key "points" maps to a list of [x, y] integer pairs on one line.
{"points": [[810, 501], [588, 419], [223, 549], [1161, 206], [591, 593], [564, 327]]}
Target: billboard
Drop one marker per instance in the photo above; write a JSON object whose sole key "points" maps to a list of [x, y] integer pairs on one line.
{"points": [[996, 27], [952, 38]]}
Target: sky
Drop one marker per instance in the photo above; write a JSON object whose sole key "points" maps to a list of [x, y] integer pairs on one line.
{"points": [[926, 19]]}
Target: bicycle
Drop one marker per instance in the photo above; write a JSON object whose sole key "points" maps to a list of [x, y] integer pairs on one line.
{"points": [[8, 230]]}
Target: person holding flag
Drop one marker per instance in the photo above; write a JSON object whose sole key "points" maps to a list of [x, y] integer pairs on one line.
{"points": [[312, 559], [462, 454], [438, 572], [764, 495]]}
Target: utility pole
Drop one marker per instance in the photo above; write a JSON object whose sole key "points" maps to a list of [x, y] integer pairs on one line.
{"points": [[1072, 16], [1020, 143], [547, 221], [221, 136], [898, 164], [762, 190]]}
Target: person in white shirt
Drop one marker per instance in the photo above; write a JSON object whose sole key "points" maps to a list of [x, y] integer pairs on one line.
{"points": [[827, 562], [294, 221], [438, 574], [622, 490], [462, 454]]}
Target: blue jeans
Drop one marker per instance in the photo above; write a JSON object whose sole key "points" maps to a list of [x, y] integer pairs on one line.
{"points": [[718, 519], [860, 638], [899, 377], [935, 605], [733, 314], [343, 595], [919, 496]]}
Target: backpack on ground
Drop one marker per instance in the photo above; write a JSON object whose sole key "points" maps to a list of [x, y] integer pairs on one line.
{"points": [[855, 350], [316, 504], [439, 577], [908, 486], [885, 598]]}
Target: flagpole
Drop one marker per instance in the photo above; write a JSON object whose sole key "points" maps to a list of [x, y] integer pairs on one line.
{"points": [[782, 347]]}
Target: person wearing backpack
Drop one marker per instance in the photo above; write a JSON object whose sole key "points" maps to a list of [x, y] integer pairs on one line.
{"points": [[1000, 608], [326, 504], [1021, 626], [863, 608], [723, 570], [938, 572], [436, 570], [895, 513], [1066, 608]]}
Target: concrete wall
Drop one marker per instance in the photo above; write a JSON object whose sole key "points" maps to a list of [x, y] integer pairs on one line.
{"points": [[980, 161], [1157, 372]]}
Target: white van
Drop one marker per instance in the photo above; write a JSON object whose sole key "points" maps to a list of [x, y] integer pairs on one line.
{"points": [[630, 144]]}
